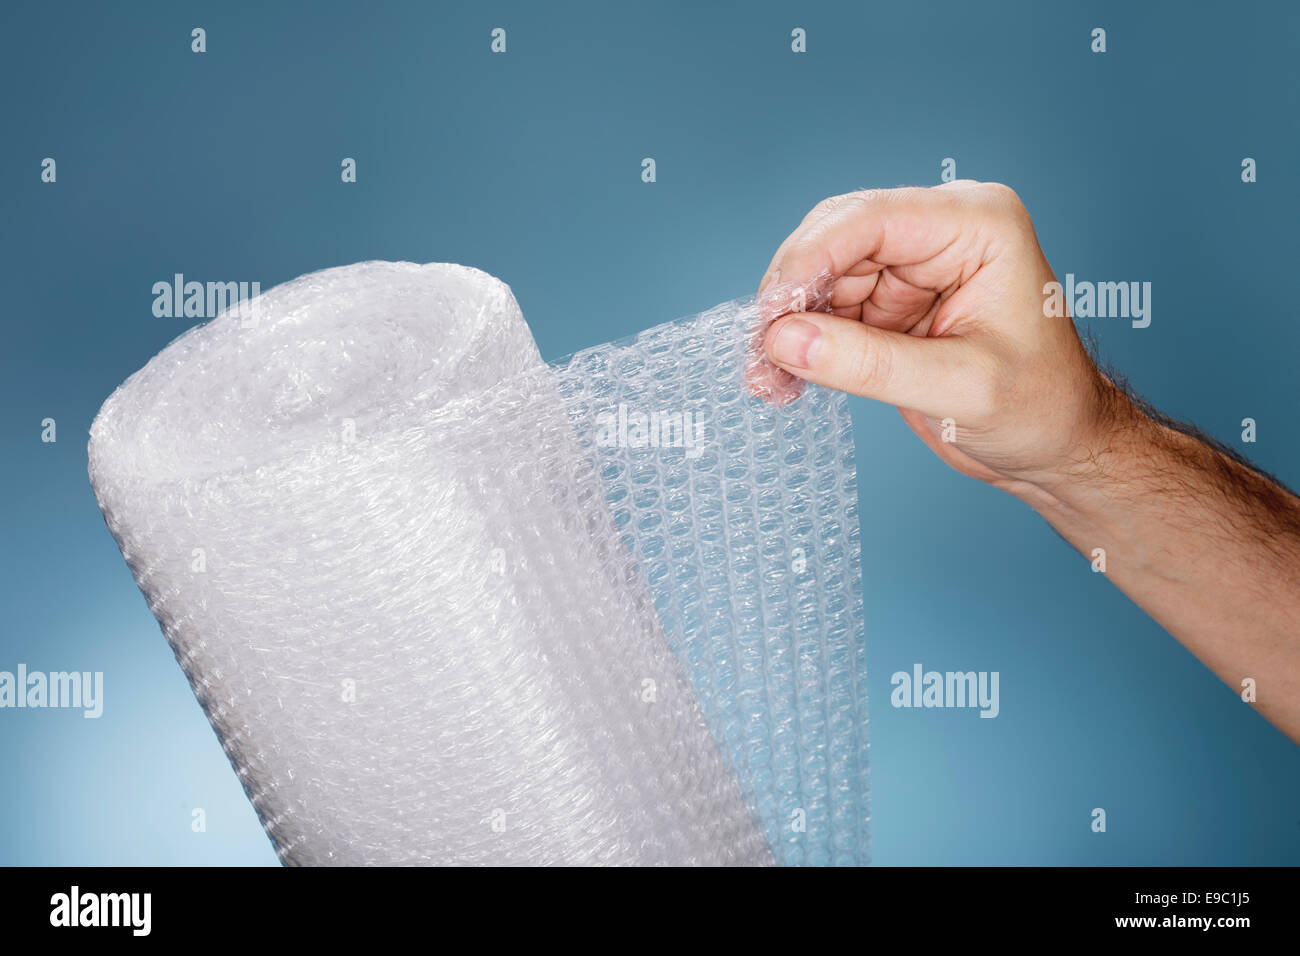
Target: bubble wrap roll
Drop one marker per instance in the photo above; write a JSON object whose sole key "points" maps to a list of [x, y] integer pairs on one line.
{"points": [[446, 604]]}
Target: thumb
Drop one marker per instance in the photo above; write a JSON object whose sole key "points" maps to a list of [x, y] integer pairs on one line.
{"points": [[934, 376]]}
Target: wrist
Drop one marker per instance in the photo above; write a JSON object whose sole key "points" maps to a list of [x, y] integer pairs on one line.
{"points": [[1101, 462]]}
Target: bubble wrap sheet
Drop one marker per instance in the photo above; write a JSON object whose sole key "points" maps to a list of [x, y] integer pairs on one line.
{"points": [[444, 603]]}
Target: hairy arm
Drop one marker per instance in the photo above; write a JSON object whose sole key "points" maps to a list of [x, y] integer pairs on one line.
{"points": [[937, 307], [1204, 543]]}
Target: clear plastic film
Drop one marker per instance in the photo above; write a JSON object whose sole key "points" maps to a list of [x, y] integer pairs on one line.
{"points": [[444, 603]]}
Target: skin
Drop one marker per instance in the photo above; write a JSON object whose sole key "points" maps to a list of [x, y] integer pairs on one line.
{"points": [[937, 307]]}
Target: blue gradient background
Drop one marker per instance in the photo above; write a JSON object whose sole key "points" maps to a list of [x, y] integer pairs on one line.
{"points": [[225, 166]]}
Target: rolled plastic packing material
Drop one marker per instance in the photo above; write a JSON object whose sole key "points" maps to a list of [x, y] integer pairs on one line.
{"points": [[444, 603]]}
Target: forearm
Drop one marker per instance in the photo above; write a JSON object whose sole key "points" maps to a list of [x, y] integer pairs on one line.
{"points": [[1205, 545], [941, 308]]}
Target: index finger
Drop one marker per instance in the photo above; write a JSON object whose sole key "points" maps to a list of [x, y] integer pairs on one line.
{"points": [[878, 227]]}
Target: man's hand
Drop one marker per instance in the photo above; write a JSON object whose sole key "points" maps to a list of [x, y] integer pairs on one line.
{"points": [[938, 308]]}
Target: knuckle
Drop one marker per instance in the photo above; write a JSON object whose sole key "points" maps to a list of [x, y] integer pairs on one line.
{"points": [[823, 207], [1001, 191], [988, 394], [835, 203], [1004, 198], [903, 195], [872, 364]]}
